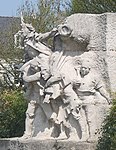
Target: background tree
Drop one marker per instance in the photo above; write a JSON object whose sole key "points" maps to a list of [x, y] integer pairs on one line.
{"points": [[108, 139], [9, 55], [44, 15], [92, 6], [12, 113], [7, 50]]}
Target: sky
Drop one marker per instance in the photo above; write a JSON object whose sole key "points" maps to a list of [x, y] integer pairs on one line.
{"points": [[9, 7]]}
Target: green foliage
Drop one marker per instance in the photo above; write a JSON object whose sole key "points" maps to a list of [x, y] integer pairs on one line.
{"points": [[45, 14], [7, 50], [92, 6], [12, 110], [108, 139]]}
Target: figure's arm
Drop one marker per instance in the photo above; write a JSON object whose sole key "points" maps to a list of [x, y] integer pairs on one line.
{"points": [[47, 35], [31, 78], [32, 61], [22, 69], [52, 80], [100, 88], [26, 68], [17, 39], [105, 94]]}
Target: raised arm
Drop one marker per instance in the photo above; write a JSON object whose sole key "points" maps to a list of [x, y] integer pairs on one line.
{"points": [[31, 78], [47, 35]]}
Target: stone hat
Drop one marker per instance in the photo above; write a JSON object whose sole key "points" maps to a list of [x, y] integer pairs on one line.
{"points": [[64, 30]]}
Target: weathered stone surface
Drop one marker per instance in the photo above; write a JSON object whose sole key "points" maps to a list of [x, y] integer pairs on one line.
{"points": [[111, 49], [10, 144], [67, 86]]}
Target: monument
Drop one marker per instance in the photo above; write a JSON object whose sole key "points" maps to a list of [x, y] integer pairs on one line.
{"points": [[68, 84]]}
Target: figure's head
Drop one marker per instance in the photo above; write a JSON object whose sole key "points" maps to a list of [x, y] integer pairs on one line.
{"points": [[85, 68], [45, 73]]}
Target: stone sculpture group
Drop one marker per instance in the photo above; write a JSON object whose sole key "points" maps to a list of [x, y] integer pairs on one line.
{"points": [[66, 95]]}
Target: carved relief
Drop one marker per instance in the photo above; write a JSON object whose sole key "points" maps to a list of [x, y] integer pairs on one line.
{"points": [[61, 85]]}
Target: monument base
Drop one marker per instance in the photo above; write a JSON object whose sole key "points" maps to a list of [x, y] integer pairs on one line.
{"points": [[32, 144]]}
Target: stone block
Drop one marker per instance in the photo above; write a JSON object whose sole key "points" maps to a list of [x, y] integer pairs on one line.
{"points": [[15, 144]]}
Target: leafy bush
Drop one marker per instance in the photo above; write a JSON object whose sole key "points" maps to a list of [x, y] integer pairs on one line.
{"points": [[108, 139], [12, 113]]}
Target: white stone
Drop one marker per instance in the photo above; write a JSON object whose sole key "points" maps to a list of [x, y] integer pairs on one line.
{"points": [[67, 84]]}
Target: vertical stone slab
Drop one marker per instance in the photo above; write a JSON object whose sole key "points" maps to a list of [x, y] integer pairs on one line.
{"points": [[111, 49]]}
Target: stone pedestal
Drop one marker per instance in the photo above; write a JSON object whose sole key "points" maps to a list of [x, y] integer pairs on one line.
{"points": [[15, 144]]}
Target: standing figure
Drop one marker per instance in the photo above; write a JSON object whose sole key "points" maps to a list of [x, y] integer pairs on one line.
{"points": [[34, 95], [86, 88], [58, 90], [31, 75], [36, 55]]}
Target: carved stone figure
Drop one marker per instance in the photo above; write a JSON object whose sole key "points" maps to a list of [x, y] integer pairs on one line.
{"points": [[87, 85], [58, 87], [31, 76], [36, 56], [34, 95]]}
